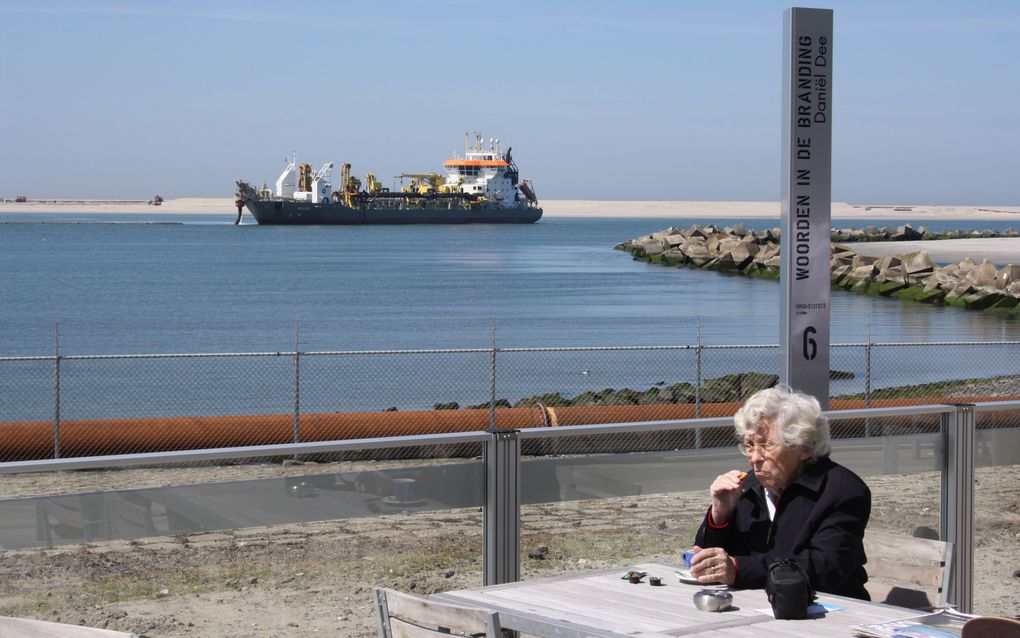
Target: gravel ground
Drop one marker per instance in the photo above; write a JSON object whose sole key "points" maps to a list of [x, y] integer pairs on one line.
{"points": [[316, 578]]}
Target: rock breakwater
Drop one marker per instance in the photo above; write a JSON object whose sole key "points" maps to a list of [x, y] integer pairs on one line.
{"points": [[912, 276]]}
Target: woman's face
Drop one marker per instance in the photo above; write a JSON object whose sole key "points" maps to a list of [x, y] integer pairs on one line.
{"points": [[774, 464]]}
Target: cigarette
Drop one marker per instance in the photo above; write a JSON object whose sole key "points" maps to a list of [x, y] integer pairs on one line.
{"points": [[742, 476]]}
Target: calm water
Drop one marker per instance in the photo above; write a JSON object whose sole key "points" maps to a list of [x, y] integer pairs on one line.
{"points": [[200, 285], [204, 285]]}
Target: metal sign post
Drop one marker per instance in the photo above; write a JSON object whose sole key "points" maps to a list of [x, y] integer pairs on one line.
{"points": [[806, 203]]}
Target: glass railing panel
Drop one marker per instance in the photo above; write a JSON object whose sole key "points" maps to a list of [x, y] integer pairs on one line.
{"points": [[900, 459], [997, 513], [612, 508], [289, 549]]}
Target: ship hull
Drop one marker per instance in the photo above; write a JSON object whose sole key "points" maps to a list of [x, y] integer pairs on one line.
{"points": [[290, 212]]}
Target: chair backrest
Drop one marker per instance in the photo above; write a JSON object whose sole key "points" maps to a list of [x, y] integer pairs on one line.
{"points": [[404, 616], [991, 627], [916, 562]]}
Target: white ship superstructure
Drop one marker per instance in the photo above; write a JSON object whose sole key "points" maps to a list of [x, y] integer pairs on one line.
{"points": [[483, 171]]}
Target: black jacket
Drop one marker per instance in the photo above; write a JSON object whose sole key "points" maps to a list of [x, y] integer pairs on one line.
{"points": [[820, 521]]}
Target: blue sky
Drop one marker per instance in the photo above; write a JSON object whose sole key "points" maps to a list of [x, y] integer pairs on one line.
{"points": [[600, 100]]}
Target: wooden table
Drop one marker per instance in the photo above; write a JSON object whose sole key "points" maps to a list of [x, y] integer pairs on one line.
{"points": [[602, 604]]}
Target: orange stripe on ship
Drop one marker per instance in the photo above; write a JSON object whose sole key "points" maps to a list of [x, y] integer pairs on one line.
{"points": [[475, 163]]}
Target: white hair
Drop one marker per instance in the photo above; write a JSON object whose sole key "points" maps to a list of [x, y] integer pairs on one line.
{"points": [[796, 418]]}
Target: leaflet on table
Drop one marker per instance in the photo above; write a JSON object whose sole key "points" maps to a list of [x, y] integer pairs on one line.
{"points": [[945, 623], [814, 609]]}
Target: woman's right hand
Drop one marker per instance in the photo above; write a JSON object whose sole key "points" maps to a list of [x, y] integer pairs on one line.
{"points": [[726, 491]]}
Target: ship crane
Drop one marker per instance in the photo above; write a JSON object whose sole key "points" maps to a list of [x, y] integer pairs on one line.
{"points": [[324, 172], [321, 185], [423, 183]]}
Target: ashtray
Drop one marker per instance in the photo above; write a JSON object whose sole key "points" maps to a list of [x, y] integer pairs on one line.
{"points": [[713, 600]]}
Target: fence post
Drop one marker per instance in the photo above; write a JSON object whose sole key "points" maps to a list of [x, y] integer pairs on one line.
{"points": [[867, 380], [956, 523], [502, 514], [697, 374], [492, 394], [297, 383], [56, 392]]}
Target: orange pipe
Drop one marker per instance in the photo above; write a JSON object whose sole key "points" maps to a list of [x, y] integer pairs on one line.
{"points": [[28, 440]]}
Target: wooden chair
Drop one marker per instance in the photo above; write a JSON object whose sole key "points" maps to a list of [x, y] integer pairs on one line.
{"points": [[28, 628], [916, 562], [405, 616], [991, 627]]}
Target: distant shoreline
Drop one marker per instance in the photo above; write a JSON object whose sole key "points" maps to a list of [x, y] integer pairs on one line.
{"points": [[560, 208]]}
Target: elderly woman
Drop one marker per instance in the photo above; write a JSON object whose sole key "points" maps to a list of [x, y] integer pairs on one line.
{"points": [[795, 503]]}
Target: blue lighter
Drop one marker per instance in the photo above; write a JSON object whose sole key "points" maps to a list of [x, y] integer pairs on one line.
{"points": [[686, 558]]}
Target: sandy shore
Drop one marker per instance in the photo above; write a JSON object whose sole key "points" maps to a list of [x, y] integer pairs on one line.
{"points": [[566, 208], [180, 206], [764, 210], [999, 250]]}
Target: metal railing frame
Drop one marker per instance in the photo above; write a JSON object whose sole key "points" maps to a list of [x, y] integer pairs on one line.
{"points": [[502, 461]]}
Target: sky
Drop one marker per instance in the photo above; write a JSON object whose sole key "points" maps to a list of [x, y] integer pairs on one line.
{"points": [[637, 100]]}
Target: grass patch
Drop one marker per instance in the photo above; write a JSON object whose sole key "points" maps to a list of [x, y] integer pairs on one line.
{"points": [[619, 545], [436, 555]]}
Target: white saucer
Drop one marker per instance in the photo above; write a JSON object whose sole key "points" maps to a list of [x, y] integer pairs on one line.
{"points": [[685, 576]]}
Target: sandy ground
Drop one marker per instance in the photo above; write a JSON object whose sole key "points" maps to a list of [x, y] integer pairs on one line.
{"points": [[180, 206], [755, 210], [317, 578], [567, 208], [998, 250]]}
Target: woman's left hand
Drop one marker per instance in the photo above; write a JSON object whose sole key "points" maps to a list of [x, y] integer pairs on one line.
{"points": [[713, 565]]}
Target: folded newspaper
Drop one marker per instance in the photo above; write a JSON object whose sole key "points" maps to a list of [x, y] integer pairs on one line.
{"points": [[945, 623]]}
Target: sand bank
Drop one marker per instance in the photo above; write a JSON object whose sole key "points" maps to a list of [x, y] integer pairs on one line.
{"points": [[998, 250], [764, 210], [180, 206], [565, 208]]}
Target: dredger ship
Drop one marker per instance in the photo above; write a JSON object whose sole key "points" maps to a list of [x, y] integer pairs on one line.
{"points": [[483, 187]]}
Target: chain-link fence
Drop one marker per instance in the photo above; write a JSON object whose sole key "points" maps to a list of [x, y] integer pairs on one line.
{"points": [[69, 406]]}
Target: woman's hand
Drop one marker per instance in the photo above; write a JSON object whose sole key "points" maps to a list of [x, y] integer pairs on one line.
{"points": [[726, 491], [713, 565]]}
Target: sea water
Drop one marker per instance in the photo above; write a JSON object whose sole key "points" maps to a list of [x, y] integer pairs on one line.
{"points": [[176, 283]]}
